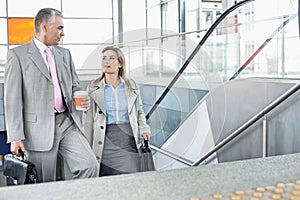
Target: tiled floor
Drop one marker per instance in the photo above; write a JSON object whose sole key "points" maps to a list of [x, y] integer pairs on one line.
{"points": [[288, 191]]}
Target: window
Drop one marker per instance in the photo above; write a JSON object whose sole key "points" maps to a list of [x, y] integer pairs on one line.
{"points": [[2, 8], [88, 24], [20, 30], [3, 32]]}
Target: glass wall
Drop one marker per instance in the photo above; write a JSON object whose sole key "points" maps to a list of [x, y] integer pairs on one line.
{"points": [[90, 25], [87, 23], [237, 41], [134, 15]]}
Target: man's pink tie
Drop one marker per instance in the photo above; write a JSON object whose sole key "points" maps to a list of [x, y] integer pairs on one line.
{"points": [[57, 91]]}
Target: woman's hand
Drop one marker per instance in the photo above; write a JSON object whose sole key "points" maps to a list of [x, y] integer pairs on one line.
{"points": [[146, 136], [86, 104]]}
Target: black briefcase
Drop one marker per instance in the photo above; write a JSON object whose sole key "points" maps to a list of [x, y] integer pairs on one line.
{"points": [[146, 159], [19, 171]]}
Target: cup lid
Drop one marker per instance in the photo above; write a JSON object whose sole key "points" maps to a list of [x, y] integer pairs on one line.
{"points": [[81, 92]]}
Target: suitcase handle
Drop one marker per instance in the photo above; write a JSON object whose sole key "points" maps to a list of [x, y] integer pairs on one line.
{"points": [[146, 143], [21, 154]]}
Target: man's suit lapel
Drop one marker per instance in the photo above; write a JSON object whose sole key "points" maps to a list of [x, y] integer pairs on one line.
{"points": [[38, 60]]}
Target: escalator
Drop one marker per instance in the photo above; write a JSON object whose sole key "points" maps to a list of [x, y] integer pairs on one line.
{"points": [[246, 41]]}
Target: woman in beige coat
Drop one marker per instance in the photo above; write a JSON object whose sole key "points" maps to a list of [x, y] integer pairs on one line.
{"points": [[116, 121]]}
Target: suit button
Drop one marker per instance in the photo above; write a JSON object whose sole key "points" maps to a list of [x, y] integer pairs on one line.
{"points": [[101, 127], [100, 111], [98, 158], [100, 142]]}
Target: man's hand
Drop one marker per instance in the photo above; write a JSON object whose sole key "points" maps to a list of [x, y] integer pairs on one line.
{"points": [[86, 103], [15, 146]]}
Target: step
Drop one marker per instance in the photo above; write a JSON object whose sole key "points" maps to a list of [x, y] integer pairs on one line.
{"points": [[181, 184]]}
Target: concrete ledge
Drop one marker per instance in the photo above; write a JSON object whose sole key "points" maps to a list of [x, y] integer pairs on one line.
{"points": [[178, 184]]}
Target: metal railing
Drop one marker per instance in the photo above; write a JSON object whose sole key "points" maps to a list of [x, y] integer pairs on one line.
{"points": [[172, 155], [234, 134], [251, 121]]}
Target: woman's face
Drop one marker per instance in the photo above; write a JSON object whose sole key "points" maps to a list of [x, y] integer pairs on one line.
{"points": [[110, 63]]}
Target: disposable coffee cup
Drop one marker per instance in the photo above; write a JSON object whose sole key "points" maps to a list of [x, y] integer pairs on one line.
{"points": [[79, 96]]}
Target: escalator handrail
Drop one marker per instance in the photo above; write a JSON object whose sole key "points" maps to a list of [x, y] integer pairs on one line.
{"points": [[195, 51], [251, 121]]}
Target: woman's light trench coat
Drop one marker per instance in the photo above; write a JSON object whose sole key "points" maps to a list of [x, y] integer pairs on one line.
{"points": [[94, 120]]}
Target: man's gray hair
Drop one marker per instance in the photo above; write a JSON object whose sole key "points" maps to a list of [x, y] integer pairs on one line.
{"points": [[45, 16]]}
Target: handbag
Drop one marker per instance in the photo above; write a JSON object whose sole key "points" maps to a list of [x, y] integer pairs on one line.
{"points": [[19, 171], [146, 158]]}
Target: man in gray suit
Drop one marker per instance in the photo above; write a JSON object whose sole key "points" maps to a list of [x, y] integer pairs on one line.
{"points": [[34, 123]]}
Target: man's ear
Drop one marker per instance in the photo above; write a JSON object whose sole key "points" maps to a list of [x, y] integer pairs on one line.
{"points": [[44, 26]]}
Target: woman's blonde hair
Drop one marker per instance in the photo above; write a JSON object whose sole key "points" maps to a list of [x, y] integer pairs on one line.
{"points": [[121, 59]]}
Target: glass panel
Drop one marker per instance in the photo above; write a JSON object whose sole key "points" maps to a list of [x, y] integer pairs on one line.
{"points": [[87, 8], [85, 31], [2, 8], [20, 30], [16, 7], [277, 58], [134, 61], [130, 21], [248, 30], [206, 19], [12, 46], [212, 1], [192, 19], [154, 17], [170, 17], [3, 32], [85, 57], [151, 3], [3, 52]]}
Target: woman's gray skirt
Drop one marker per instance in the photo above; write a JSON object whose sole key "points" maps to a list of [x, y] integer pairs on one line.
{"points": [[120, 154]]}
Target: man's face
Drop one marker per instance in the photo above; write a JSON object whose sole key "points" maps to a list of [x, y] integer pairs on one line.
{"points": [[54, 31]]}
